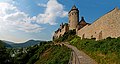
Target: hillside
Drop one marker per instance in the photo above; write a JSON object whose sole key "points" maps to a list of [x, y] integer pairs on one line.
{"points": [[4, 54], [105, 51], [55, 55], [42, 53]]}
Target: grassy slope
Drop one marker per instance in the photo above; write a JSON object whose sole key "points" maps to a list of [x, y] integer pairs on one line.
{"points": [[55, 54], [44, 53], [104, 51]]}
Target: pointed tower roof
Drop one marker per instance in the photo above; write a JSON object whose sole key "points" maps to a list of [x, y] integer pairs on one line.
{"points": [[74, 7], [82, 22]]}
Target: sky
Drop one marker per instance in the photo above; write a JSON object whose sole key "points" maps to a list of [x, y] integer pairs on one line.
{"points": [[22, 20]]}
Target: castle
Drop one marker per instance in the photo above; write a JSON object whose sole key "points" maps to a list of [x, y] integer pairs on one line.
{"points": [[106, 26]]}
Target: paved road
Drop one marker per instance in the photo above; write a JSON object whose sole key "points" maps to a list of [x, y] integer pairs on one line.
{"points": [[79, 57]]}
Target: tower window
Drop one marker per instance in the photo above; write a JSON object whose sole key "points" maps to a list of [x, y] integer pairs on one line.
{"points": [[75, 13], [72, 13]]}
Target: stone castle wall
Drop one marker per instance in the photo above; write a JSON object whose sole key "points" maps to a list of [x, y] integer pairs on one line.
{"points": [[61, 31], [106, 26]]}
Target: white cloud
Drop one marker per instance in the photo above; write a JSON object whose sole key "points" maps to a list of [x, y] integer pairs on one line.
{"points": [[13, 19], [18, 16], [52, 12], [6, 8], [42, 5], [26, 27]]}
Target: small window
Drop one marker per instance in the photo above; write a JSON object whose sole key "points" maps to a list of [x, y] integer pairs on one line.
{"points": [[83, 36], [92, 36], [72, 13], [75, 13], [100, 35]]}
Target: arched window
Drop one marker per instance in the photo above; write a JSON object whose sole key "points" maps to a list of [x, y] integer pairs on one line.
{"points": [[92, 36], [100, 35], [72, 13], [83, 36]]}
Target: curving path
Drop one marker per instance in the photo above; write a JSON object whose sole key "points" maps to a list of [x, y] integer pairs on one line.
{"points": [[79, 57]]}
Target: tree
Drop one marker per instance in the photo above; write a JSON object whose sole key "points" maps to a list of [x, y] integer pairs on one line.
{"points": [[4, 55]]}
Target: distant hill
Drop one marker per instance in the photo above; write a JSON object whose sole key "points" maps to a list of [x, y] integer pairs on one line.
{"points": [[6, 43], [18, 45]]}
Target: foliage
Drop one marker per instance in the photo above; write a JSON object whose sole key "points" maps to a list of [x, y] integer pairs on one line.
{"points": [[35, 54], [4, 55], [105, 51], [56, 54], [32, 54]]}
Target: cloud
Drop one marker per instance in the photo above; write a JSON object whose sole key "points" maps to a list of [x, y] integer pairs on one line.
{"points": [[25, 27], [42, 5], [53, 11], [13, 19]]}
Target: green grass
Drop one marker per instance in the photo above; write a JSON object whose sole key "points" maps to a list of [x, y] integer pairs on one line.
{"points": [[56, 54], [105, 51]]}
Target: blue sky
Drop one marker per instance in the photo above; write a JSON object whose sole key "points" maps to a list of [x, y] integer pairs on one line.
{"points": [[22, 20]]}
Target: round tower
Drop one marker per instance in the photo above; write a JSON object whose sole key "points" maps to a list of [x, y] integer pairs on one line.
{"points": [[73, 18]]}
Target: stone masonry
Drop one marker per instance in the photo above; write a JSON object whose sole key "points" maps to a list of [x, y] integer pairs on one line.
{"points": [[106, 26]]}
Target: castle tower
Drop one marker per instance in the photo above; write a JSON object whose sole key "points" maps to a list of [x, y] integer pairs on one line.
{"points": [[73, 18]]}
